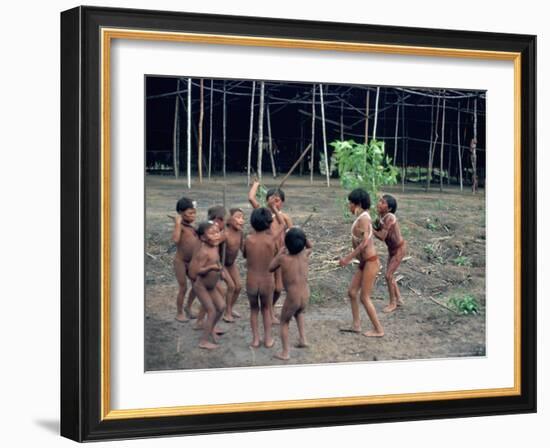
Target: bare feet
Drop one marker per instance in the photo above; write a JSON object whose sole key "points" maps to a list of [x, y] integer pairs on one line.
{"points": [[400, 302], [254, 344], [215, 337], [228, 319], [208, 345], [373, 334], [390, 308], [281, 356], [181, 317], [301, 345], [189, 313], [235, 314], [275, 320], [269, 344]]}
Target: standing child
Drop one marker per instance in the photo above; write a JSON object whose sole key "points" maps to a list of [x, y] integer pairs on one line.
{"points": [[293, 262], [390, 232], [275, 198], [259, 249], [204, 270], [186, 239], [233, 244], [363, 248]]}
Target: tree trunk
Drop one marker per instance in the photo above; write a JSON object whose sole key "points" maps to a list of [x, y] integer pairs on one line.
{"points": [[224, 129], [261, 130], [375, 113], [270, 143], [367, 107], [189, 133], [324, 134], [459, 148], [442, 146], [312, 158], [210, 133], [250, 132], [201, 119], [176, 137]]}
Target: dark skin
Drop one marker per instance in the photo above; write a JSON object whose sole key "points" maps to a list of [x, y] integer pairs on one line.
{"points": [[259, 249], [390, 233], [205, 270], [187, 241], [234, 243], [281, 222], [294, 270], [362, 282]]}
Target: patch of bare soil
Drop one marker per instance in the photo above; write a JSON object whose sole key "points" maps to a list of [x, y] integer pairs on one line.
{"points": [[446, 258]]}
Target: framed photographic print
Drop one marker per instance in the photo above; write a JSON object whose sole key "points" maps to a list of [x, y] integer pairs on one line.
{"points": [[275, 224]]}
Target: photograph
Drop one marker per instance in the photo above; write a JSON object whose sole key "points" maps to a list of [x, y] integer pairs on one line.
{"points": [[291, 223]]}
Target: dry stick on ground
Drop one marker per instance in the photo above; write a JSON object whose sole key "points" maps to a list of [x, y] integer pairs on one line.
{"points": [[433, 300], [294, 166]]}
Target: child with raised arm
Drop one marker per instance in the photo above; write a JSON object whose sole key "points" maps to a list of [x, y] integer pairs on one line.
{"points": [[259, 249], [292, 259], [205, 270], [233, 244], [275, 198], [186, 239], [363, 248], [390, 232]]}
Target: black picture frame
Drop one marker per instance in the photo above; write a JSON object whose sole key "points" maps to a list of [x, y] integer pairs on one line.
{"points": [[81, 224]]}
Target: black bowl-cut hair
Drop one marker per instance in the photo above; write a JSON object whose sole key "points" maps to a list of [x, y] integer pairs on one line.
{"points": [[216, 212], [275, 192], [295, 240], [184, 204], [204, 226], [360, 197], [392, 203], [261, 219]]}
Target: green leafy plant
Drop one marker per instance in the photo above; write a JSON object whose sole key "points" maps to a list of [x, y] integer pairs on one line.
{"points": [[466, 304], [430, 225], [462, 260], [363, 166], [260, 195]]}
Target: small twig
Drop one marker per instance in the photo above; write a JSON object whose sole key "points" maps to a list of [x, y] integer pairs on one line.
{"points": [[151, 255], [442, 304]]}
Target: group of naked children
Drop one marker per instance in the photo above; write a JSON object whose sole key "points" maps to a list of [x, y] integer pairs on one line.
{"points": [[276, 254]]}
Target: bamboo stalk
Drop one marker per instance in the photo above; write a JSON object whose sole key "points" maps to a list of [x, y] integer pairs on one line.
{"points": [[250, 132], [189, 133], [261, 131], [176, 136], [201, 119], [273, 169], [324, 135], [210, 133], [312, 158]]}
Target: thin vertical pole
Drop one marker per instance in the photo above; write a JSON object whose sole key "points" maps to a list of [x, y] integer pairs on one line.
{"points": [[224, 128], [375, 113], [210, 133], [261, 130], [176, 136], [189, 133], [312, 158], [250, 133], [324, 134], [201, 119]]}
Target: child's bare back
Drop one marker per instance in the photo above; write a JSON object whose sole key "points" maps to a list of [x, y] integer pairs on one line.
{"points": [[259, 250]]}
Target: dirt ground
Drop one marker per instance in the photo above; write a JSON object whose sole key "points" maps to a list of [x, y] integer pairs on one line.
{"points": [[446, 258]]}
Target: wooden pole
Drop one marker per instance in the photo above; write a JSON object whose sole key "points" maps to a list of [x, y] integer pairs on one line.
{"points": [[459, 149], [473, 146], [396, 129], [250, 133], [404, 145], [189, 133], [432, 148], [176, 137], [341, 121], [312, 158], [375, 113], [224, 128], [442, 146], [304, 152], [301, 144], [367, 107], [273, 169], [324, 135], [261, 131], [449, 166], [201, 119], [210, 133]]}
